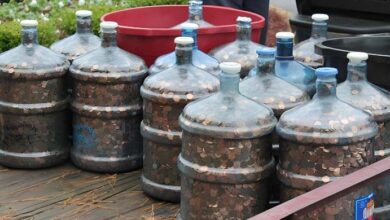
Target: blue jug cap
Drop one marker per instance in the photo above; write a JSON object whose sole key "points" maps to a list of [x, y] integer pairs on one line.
{"points": [[266, 51], [326, 72]]}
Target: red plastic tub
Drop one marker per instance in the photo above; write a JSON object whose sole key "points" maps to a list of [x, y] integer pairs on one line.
{"points": [[146, 31]]}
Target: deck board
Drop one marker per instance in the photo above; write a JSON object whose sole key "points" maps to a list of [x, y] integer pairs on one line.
{"points": [[66, 192]]}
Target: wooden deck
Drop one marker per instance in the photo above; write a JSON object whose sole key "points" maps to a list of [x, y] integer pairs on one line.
{"points": [[66, 192]]}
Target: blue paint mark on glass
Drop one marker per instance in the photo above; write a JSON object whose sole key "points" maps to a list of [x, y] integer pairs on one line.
{"points": [[84, 136]]}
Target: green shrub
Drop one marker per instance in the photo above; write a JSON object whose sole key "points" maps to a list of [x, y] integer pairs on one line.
{"points": [[9, 35], [58, 22], [65, 19]]}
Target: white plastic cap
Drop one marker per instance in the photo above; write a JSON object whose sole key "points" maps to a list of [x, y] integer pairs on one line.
{"points": [[184, 40], [244, 19], [284, 35], [197, 2], [320, 17], [29, 23], [230, 67], [357, 57], [108, 25], [189, 26], [83, 13]]}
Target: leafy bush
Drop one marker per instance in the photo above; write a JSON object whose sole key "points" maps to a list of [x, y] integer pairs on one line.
{"points": [[57, 17]]}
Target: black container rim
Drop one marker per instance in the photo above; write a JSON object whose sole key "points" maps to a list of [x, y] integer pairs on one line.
{"points": [[367, 26], [323, 49]]}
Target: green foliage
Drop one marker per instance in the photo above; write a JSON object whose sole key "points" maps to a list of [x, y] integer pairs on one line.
{"points": [[47, 33], [65, 19], [10, 34], [57, 17]]}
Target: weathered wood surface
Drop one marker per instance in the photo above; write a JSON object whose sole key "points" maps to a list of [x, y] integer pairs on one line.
{"points": [[66, 192]]}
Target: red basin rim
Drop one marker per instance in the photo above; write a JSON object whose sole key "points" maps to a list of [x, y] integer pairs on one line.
{"points": [[175, 32]]}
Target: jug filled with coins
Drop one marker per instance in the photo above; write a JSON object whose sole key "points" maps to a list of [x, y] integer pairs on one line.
{"points": [[33, 104], [357, 91], [165, 95], [199, 58], [287, 68], [322, 141], [226, 160], [195, 15], [107, 107], [242, 50], [305, 51]]}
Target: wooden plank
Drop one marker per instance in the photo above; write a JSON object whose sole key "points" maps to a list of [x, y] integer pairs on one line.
{"points": [[134, 204], [68, 193], [23, 178], [115, 206], [55, 195], [96, 198], [35, 196], [161, 211], [18, 194]]}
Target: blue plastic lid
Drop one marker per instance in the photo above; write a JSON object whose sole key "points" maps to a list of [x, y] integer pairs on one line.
{"points": [[326, 72], [266, 51]]}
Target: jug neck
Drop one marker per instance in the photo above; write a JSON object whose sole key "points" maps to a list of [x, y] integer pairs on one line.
{"points": [[83, 25], [29, 36], [326, 87], [193, 33], [109, 38], [357, 72], [244, 30], [319, 29], [195, 8], [265, 65], [284, 49], [229, 83], [183, 54]]}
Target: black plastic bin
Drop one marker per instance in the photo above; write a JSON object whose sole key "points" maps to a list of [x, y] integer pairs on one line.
{"points": [[347, 17], [378, 47]]}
